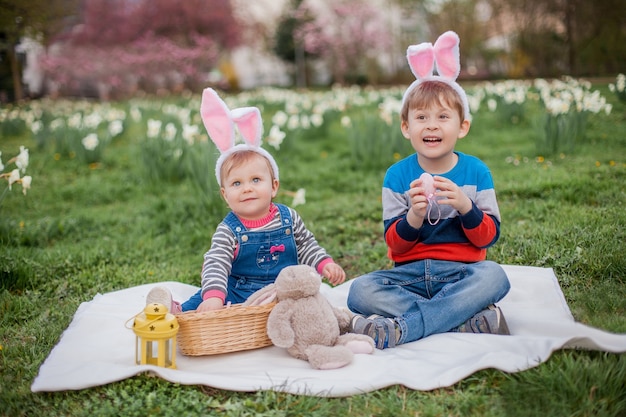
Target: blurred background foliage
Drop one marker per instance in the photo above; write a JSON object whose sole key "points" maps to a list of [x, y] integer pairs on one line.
{"points": [[114, 49]]}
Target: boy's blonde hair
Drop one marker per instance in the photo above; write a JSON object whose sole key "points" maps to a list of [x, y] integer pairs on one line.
{"points": [[428, 93], [239, 158]]}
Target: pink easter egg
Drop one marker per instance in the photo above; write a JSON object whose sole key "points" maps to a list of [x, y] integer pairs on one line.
{"points": [[428, 184]]}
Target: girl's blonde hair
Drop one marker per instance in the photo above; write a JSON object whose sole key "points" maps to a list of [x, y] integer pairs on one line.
{"points": [[239, 158]]}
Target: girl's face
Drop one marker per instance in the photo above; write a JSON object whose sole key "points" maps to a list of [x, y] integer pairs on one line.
{"points": [[249, 188], [433, 133]]}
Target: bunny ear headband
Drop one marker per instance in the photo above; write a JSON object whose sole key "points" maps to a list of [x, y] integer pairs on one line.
{"points": [[445, 55], [220, 123]]}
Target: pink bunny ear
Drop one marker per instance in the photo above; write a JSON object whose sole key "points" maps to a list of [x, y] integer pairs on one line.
{"points": [[249, 123], [421, 59], [447, 54], [216, 118]]}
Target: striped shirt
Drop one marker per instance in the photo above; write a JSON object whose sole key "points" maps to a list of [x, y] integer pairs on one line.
{"points": [[454, 237], [219, 258]]}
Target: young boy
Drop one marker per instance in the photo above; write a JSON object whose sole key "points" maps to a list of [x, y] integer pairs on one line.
{"points": [[440, 281]]}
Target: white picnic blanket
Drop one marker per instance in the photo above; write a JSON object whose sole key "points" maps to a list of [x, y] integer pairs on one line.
{"points": [[97, 348]]}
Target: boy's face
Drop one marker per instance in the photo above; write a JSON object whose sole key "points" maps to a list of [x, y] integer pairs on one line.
{"points": [[433, 131], [249, 188]]}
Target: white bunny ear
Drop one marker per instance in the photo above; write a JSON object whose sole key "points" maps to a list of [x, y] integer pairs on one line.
{"points": [[447, 55], [421, 59], [249, 123], [217, 121]]}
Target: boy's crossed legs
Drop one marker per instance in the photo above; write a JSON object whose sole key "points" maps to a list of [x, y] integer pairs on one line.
{"points": [[415, 300]]}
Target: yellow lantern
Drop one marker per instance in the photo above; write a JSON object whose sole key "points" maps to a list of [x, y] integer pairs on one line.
{"points": [[155, 331]]}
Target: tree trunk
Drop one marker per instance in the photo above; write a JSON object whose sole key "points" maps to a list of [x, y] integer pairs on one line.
{"points": [[570, 13], [15, 74]]}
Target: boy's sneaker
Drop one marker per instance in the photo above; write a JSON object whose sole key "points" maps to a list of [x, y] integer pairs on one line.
{"points": [[163, 296], [383, 330], [490, 320]]}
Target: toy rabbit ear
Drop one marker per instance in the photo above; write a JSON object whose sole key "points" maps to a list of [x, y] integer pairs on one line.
{"points": [[216, 118], [421, 59], [249, 123], [447, 55]]}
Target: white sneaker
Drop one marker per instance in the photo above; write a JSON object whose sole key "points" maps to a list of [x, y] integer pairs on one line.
{"points": [[163, 296]]}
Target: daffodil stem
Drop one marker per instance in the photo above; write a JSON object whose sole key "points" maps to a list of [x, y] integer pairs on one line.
{"points": [[3, 194]]}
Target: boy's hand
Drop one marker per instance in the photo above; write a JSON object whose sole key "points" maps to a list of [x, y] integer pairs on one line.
{"points": [[211, 304], [334, 273], [450, 194], [419, 204]]}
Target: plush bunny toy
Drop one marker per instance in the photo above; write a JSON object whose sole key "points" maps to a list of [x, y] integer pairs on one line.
{"points": [[306, 324]]}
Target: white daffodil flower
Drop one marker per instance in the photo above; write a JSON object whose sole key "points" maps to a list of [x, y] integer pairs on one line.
{"points": [[26, 183], [115, 128], [280, 118], [190, 132], [154, 128], [21, 160], [299, 198], [170, 132], [14, 177], [90, 142], [275, 137]]}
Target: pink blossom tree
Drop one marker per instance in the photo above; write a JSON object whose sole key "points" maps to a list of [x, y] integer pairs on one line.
{"points": [[348, 35], [122, 45]]}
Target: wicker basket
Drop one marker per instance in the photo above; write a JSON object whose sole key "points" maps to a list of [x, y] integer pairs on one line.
{"points": [[230, 329]]}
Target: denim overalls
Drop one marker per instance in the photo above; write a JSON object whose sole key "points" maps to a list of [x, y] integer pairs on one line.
{"points": [[261, 256]]}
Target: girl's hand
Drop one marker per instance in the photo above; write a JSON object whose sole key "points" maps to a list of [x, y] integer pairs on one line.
{"points": [[334, 273], [211, 304], [450, 194]]}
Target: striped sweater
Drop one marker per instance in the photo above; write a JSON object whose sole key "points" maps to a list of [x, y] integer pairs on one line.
{"points": [[454, 237], [218, 259]]}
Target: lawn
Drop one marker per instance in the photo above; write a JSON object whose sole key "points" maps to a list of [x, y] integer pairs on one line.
{"points": [[141, 206]]}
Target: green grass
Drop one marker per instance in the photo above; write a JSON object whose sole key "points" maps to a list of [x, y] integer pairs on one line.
{"points": [[83, 231]]}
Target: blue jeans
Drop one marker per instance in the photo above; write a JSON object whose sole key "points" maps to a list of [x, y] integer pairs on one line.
{"points": [[429, 296]]}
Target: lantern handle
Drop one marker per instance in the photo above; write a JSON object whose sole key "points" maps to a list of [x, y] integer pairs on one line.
{"points": [[134, 317]]}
